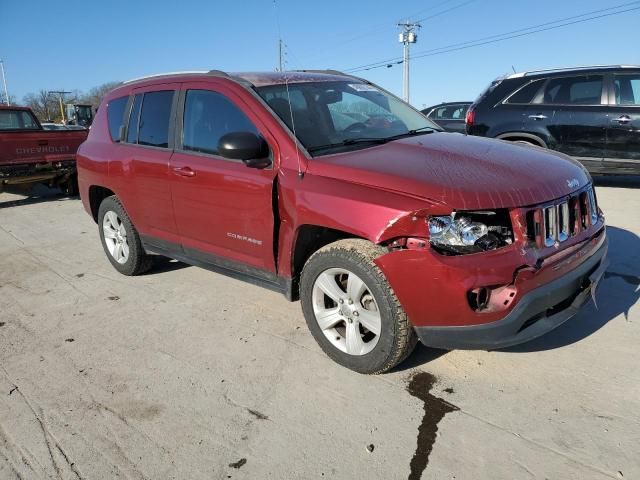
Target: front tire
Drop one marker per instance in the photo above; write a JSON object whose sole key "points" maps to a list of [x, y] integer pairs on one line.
{"points": [[120, 239], [351, 310]]}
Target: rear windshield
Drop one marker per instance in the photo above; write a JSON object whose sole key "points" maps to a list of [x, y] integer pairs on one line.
{"points": [[17, 120]]}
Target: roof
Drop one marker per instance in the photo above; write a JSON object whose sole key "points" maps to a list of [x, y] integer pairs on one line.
{"points": [[14, 107], [257, 79], [573, 69]]}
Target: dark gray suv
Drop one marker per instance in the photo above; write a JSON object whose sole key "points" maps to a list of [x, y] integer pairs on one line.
{"points": [[589, 113]]}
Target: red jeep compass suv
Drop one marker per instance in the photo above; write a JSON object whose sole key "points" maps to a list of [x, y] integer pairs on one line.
{"points": [[330, 190]]}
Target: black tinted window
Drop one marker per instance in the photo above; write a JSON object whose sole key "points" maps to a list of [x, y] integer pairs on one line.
{"points": [[585, 90], [207, 117], [115, 112], [17, 120], [450, 112], [527, 93], [154, 119], [132, 130], [627, 89]]}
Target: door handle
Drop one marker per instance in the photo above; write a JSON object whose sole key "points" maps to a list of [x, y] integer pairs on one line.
{"points": [[623, 119], [184, 172], [539, 116]]}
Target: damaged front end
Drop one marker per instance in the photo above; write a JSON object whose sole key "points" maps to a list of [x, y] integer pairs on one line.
{"points": [[462, 270]]}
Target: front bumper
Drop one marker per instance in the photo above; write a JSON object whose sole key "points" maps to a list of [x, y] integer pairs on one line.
{"points": [[538, 312]]}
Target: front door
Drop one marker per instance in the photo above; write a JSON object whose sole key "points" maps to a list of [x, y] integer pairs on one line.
{"points": [[623, 132], [223, 209]]}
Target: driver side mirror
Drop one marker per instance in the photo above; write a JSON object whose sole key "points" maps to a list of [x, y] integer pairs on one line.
{"points": [[252, 149]]}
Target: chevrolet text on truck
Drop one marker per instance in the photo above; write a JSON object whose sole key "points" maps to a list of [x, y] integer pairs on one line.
{"points": [[30, 154], [330, 190]]}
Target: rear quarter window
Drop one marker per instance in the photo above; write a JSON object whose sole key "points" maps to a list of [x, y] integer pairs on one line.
{"points": [[115, 114], [527, 93]]}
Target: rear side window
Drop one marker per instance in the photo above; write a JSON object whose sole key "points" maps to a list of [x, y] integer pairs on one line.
{"points": [[627, 89], [153, 129], [207, 117], [527, 93], [451, 112], [583, 90], [115, 113]]}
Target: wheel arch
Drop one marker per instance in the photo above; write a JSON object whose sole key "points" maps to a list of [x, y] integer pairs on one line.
{"points": [[523, 137], [97, 194]]}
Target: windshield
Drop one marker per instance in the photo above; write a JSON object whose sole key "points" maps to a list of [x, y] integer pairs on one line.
{"points": [[339, 116]]}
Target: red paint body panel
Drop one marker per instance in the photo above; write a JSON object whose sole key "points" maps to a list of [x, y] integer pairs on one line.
{"points": [[381, 193]]}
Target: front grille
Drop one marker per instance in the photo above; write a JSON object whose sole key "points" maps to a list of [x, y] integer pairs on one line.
{"points": [[552, 224]]}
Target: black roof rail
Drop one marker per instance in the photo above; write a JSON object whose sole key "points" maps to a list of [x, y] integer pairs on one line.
{"points": [[328, 72]]}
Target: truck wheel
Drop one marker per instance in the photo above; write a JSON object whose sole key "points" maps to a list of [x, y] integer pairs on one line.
{"points": [[351, 310], [70, 186], [120, 239]]}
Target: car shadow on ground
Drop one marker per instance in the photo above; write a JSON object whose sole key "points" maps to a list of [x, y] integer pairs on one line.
{"points": [[617, 181], [32, 195], [617, 292], [165, 264]]}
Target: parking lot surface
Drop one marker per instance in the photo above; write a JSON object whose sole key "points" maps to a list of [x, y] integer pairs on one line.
{"points": [[183, 373]]}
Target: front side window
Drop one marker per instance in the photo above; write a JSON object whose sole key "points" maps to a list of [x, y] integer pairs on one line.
{"points": [[115, 114], [207, 117], [17, 120], [342, 115], [155, 116], [627, 89], [583, 90]]}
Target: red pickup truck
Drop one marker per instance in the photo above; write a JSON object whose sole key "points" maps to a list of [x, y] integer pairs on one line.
{"points": [[30, 154], [329, 189]]}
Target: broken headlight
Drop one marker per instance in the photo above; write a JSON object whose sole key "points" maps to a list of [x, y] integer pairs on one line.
{"points": [[470, 232]]}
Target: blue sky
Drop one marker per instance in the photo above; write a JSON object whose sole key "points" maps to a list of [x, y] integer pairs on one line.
{"points": [[80, 44]]}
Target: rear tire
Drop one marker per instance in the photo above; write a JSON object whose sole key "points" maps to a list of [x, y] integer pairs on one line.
{"points": [[70, 186], [358, 297], [120, 239]]}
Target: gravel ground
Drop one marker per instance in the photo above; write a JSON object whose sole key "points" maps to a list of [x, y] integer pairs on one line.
{"points": [[185, 374]]}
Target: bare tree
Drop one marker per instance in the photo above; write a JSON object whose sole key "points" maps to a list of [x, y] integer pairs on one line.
{"points": [[44, 105], [3, 99], [94, 96]]}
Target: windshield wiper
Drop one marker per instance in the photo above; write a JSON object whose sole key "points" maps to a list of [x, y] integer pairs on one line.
{"points": [[411, 133], [347, 142], [379, 141]]}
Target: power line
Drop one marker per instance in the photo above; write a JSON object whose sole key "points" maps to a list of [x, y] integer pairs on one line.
{"points": [[501, 37], [385, 27], [455, 7]]}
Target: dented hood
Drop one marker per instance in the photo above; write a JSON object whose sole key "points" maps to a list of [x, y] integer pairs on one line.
{"points": [[464, 172]]}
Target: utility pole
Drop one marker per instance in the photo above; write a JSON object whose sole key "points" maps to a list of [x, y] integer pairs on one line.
{"points": [[280, 54], [60, 96], [4, 81], [407, 36]]}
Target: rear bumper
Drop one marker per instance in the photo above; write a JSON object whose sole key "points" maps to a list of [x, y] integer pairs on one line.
{"points": [[36, 172], [537, 312]]}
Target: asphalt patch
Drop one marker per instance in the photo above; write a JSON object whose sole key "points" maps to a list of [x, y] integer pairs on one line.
{"points": [[435, 409]]}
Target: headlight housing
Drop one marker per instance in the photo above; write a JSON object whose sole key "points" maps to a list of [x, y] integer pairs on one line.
{"points": [[470, 232]]}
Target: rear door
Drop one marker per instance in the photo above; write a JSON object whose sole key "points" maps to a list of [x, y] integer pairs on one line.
{"points": [[623, 131], [223, 209], [581, 117], [142, 166]]}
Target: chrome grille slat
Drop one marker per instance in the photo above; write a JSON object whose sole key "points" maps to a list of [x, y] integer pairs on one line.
{"points": [[556, 223]]}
